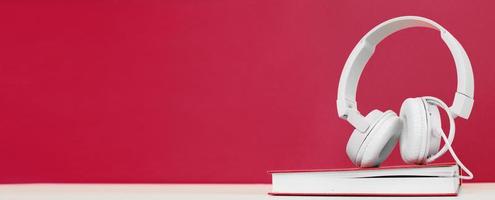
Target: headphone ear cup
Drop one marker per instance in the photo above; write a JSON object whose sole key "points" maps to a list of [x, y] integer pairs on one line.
{"points": [[414, 137], [370, 149], [357, 138]]}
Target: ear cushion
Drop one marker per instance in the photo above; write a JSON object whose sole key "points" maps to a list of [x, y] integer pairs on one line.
{"points": [[435, 122], [414, 137], [377, 144]]}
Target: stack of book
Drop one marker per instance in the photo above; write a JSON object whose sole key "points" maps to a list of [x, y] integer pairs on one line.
{"points": [[409, 180]]}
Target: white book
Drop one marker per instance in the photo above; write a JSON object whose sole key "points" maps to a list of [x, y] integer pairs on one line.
{"points": [[415, 180]]}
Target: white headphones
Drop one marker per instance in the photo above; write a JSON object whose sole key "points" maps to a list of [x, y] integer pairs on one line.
{"points": [[419, 124]]}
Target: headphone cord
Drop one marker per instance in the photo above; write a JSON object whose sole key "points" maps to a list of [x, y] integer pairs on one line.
{"points": [[444, 106]]}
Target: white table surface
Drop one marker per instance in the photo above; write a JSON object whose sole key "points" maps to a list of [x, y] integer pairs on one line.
{"points": [[189, 191]]}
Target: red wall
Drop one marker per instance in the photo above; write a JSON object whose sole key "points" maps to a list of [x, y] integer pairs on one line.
{"points": [[217, 91]]}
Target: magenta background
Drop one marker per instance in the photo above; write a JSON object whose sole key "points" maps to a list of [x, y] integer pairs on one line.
{"points": [[218, 91]]}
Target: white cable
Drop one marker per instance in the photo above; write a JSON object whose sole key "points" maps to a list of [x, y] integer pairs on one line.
{"points": [[444, 106]]}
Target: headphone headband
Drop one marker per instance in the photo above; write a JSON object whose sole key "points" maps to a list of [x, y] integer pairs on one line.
{"points": [[346, 97]]}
